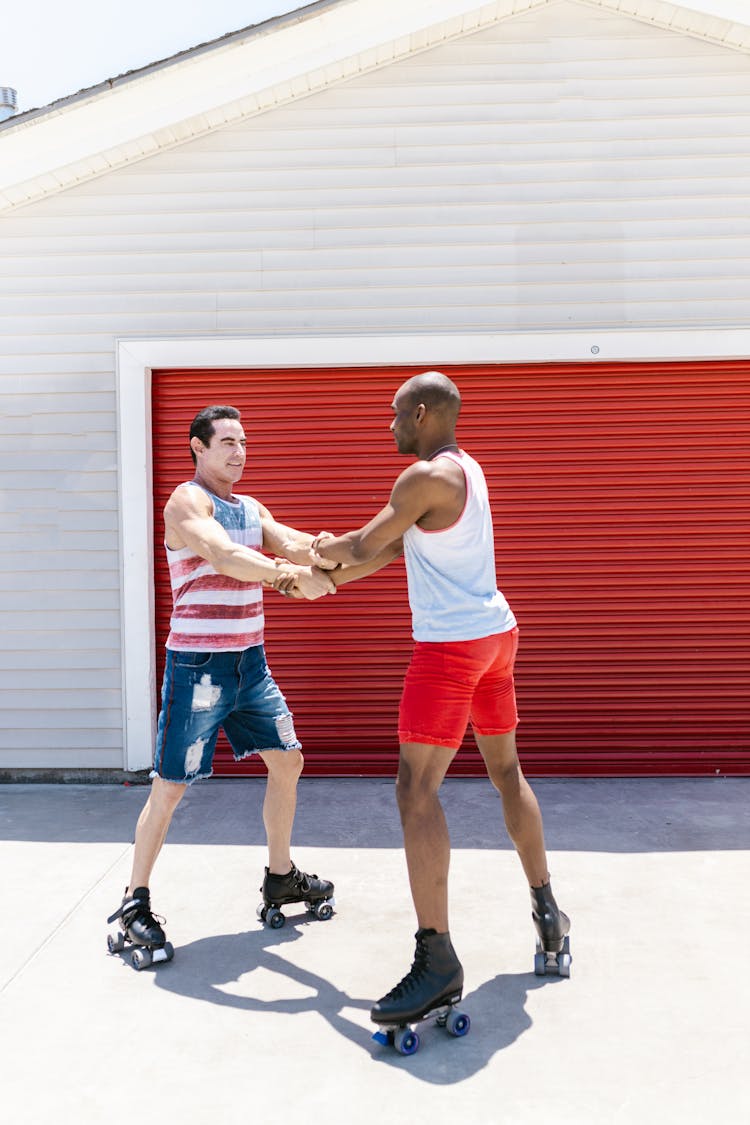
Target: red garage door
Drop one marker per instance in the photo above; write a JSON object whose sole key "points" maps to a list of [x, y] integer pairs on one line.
{"points": [[620, 497]]}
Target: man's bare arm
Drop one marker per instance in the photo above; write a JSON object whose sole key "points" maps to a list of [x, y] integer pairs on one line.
{"points": [[350, 572], [292, 544], [189, 522], [414, 494]]}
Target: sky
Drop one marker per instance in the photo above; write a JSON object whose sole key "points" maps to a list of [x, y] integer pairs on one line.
{"points": [[52, 48]]}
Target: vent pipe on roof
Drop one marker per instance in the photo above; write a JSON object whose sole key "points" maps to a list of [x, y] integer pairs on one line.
{"points": [[8, 102]]}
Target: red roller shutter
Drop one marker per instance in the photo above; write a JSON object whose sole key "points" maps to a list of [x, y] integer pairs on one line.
{"points": [[620, 497]]}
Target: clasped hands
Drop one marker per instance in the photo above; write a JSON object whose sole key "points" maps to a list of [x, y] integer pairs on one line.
{"points": [[309, 582]]}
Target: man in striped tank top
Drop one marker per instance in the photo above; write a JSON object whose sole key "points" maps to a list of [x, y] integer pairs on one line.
{"points": [[461, 670], [216, 673]]}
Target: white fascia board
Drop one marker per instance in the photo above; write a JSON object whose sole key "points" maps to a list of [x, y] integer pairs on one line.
{"points": [[276, 61], [137, 358]]}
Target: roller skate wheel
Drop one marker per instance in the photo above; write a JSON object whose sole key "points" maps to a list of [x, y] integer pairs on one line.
{"points": [[163, 953], [261, 911], [275, 919], [540, 964], [406, 1041], [141, 958], [563, 964], [457, 1023], [115, 943], [324, 911]]}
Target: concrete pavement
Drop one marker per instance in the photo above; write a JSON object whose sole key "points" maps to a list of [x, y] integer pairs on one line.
{"points": [[249, 1024]]}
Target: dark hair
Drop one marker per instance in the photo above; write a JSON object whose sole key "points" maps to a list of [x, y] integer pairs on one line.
{"points": [[202, 425]]}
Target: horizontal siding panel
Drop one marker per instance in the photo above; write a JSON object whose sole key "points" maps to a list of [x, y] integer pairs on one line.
{"points": [[62, 680], [21, 755], [48, 660], [469, 317], [13, 706], [60, 637], [75, 600]]}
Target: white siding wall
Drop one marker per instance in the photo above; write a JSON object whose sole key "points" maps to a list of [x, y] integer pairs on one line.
{"points": [[564, 170]]}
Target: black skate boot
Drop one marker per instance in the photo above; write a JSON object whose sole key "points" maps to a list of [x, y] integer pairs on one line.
{"points": [[296, 886], [552, 943], [433, 984], [141, 929]]}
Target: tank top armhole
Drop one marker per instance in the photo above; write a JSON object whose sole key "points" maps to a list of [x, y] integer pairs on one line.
{"points": [[456, 458]]}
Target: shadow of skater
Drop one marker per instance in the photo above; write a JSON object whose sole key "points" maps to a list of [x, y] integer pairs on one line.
{"points": [[202, 967], [497, 1008], [498, 1018]]}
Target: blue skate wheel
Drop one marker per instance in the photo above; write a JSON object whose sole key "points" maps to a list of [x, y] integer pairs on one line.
{"points": [[406, 1041]]}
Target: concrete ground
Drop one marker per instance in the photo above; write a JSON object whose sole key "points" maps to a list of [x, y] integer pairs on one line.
{"points": [[250, 1024]]}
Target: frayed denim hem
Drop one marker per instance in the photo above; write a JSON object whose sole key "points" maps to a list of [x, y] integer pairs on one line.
{"points": [[180, 780], [285, 749]]}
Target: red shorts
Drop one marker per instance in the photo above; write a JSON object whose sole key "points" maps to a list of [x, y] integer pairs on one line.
{"points": [[449, 683]]}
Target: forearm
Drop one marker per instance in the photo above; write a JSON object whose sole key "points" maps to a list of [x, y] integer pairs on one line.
{"points": [[346, 549], [246, 565], [295, 546], [350, 572]]}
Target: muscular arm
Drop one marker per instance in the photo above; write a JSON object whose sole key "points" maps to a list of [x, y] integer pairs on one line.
{"points": [[189, 522], [428, 493], [297, 546], [278, 539], [350, 572]]}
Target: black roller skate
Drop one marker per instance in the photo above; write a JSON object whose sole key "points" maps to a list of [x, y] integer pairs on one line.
{"points": [[552, 943], [296, 886], [141, 929], [434, 983]]}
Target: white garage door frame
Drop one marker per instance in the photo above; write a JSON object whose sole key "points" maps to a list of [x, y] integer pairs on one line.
{"points": [[137, 358]]}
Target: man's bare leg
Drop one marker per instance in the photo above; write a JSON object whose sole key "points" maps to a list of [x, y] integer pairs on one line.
{"points": [[284, 882], [436, 977], [152, 827], [421, 771], [523, 818], [279, 806]]}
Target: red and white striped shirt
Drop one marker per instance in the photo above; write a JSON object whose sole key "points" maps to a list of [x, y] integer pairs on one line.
{"points": [[213, 612]]}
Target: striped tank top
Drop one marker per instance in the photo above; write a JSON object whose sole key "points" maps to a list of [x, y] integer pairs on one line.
{"points": [[213, 612], [453, 590]]}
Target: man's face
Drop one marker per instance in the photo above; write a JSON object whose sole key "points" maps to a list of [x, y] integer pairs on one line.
{"points": [[224, 458], [403, 426]]}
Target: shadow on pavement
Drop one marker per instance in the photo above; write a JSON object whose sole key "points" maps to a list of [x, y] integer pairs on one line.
{"points": [[205, 970]]}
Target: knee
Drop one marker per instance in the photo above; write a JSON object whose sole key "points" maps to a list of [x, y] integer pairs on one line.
{"points": [[286, 765], [413, 794], [165, 796]]}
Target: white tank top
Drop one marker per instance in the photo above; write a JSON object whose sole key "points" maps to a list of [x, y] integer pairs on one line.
{"points": [[453, 590]]}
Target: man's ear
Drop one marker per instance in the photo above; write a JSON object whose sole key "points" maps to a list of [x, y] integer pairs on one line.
{"points": [[420, 412], [196, 445]]}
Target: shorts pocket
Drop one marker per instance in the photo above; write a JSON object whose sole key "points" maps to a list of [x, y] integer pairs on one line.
{"points": [[191, 659]]}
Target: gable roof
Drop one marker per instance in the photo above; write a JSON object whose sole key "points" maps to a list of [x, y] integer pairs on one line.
{"points": [[256, 68]]}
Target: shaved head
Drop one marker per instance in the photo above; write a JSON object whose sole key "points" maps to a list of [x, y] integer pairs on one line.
{"points": [[435, 390]]}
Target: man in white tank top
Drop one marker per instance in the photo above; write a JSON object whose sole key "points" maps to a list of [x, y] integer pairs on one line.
{"points": [[461, 671]]}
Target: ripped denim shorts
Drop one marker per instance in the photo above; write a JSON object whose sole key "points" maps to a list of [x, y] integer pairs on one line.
{"points": [[203, 691]]}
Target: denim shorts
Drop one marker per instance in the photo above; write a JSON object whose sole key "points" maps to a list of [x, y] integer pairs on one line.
{"points": [[204, 691]]}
